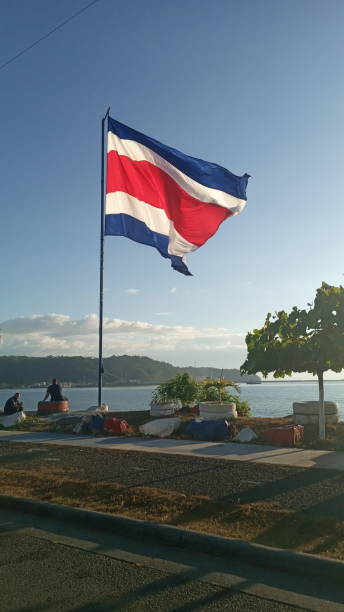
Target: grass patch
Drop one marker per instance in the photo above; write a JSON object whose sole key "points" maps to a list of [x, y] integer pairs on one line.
{"points": [[54, 485], [269, 524], [263, 522]]}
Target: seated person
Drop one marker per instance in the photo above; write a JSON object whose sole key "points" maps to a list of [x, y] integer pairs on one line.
{"points": [[55, 392], [13, 404]]}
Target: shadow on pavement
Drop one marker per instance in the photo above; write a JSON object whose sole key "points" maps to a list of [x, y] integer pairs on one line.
{"points": [[129, 601], [193, 566]]}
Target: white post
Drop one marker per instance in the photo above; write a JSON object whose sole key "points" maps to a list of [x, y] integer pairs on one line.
{"points": [[322, 417]]}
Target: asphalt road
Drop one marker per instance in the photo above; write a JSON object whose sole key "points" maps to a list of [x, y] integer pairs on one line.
{"points": [[50, 566]]}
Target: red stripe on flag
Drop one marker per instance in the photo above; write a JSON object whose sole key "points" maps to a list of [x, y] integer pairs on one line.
{"points": [[194, 220]]}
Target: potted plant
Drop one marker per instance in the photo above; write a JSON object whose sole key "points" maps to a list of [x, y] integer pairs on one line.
{"points": [[216, 402], [174, 394]]}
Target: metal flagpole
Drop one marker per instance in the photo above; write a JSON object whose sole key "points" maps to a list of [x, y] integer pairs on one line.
{"points": [[101, 275]]}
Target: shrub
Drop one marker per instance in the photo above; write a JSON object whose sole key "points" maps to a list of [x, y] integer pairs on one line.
{"points": [[243, 408], [215, 390], [182, 387]]}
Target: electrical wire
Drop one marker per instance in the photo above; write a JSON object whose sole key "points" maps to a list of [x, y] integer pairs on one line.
{"points": [[39, 40]]}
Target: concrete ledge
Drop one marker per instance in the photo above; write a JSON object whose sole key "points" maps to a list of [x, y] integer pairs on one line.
{"points": [[314, 407], [255, 554]]}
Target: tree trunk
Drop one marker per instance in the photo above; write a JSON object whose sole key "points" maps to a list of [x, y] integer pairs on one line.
{"points": [[322, 420]]}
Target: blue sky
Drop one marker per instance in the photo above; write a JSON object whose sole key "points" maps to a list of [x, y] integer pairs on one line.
{"points": [[254, 86]]}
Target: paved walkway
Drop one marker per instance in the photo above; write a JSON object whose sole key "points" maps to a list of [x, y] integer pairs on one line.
{"points": [[218, 450]]}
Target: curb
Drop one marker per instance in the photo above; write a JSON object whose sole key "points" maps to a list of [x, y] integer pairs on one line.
{"points": [[255, 554]]}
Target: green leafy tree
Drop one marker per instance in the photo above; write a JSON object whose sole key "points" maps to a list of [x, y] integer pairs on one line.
{"points": [[182, 387], [301, 341]]}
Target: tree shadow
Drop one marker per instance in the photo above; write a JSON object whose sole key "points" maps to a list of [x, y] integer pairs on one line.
{"points": [[195, 566], [135, 600], [313, 524], [127, 600], [296, 483], [304, 520]]}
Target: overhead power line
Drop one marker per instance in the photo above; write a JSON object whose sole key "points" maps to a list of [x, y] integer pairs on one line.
{"points": [[39, 40]]}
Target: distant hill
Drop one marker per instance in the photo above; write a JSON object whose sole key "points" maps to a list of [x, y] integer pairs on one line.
{"points": [[118, 370]]}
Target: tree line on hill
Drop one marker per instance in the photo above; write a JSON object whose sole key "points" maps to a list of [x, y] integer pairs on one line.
{"points": [[21, 371]]}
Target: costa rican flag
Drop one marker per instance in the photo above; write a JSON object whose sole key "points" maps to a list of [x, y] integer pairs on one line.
{"points": [[161, 197]]}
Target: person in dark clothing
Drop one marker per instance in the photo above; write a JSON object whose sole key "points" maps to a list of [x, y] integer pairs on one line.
{"points": [[55, 392], [13, 404]]}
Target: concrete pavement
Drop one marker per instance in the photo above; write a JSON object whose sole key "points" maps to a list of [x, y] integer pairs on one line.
{"points": [[256, 453], [52, 566]]}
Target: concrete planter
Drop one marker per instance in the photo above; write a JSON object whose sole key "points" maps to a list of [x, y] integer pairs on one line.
{"points": [[218, 410], [166, 409], [307, 413], [52, 407]]}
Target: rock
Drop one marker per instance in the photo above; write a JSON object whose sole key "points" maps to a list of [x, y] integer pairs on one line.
{"points": [[245, 435], [160, 428]]}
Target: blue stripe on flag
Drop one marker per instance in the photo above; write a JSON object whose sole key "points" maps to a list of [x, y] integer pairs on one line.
{"points": [[205, 173], [125, 225]]}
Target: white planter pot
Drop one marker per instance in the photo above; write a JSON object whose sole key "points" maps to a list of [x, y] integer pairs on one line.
{"points": [[168, 409], [217, 410], [307, 413]]}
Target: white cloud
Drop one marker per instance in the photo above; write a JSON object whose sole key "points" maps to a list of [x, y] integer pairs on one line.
{"points": [[173, 290], [132, 291], [59, 334]]}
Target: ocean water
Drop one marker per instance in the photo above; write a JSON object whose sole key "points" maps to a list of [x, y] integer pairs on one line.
{"points": [[276, 398], [268, 399]]}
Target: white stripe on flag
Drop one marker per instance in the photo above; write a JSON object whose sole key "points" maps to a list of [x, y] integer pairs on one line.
{"points": [[138, 152], [155, 218]]}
